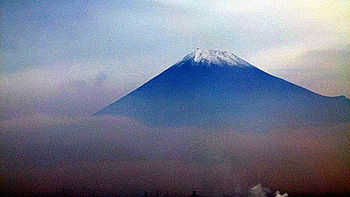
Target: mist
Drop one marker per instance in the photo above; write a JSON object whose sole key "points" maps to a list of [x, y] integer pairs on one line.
{"points": [[43, 154]]}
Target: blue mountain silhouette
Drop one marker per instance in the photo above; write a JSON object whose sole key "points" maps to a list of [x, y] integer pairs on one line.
{"points": [[216, 89]]}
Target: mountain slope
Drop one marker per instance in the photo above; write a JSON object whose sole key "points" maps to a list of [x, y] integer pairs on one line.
{"points": [[217, 89]]}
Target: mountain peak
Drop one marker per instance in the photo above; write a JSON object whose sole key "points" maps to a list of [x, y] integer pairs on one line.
{"points": [[216, 89], [214, 57]]}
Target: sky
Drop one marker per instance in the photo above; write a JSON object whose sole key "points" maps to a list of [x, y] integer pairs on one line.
{"points": [[74, 57]]}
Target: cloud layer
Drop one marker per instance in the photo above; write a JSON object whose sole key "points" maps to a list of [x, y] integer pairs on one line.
{"points": [[117, 154]]}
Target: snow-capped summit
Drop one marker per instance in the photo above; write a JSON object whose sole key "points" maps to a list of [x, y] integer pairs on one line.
{"points": [[214, 57]]}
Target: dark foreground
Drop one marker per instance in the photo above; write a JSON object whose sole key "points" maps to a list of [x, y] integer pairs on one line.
{"points": [[158, 194]]}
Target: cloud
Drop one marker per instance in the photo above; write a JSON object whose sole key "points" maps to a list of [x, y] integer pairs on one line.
{"points": [[117, 154], [281, 195], [258, 191], [323, 71], [78, 89]]}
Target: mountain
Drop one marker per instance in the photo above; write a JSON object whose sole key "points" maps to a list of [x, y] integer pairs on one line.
{"points": [[216, 89]]}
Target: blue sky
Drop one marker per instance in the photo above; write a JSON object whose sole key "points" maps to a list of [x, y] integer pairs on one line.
{"points": [[86, 54]]}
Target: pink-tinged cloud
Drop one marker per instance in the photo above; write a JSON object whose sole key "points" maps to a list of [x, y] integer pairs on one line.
{"points": [[119, 155]]}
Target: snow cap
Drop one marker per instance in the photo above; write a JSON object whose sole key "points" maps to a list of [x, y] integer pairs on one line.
{"points": [[214, 57]]}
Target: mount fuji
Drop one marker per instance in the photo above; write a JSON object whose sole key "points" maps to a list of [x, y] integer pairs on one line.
{"points": [[216, 89]]}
